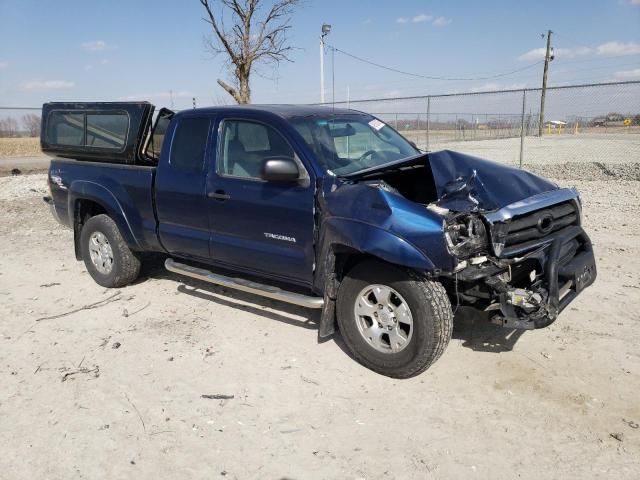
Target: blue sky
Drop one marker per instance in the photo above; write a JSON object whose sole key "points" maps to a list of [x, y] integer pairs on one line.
{"points": [[116, 50]]}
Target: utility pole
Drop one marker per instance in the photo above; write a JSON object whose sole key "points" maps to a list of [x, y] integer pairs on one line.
{"points": [[547, 58], [326, 28]]}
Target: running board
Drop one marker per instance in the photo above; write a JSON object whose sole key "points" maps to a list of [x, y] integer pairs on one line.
{"points": [[268, 291]]}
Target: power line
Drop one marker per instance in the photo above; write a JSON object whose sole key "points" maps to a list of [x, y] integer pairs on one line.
{"points": [[596, 59], [486, 92], [430, 77]]}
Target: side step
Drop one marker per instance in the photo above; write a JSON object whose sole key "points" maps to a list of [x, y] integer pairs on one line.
{"points": [[244, 285]]}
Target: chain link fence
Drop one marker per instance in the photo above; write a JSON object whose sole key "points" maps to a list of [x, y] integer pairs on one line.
{"points": [[594, 123], [583, 123]]}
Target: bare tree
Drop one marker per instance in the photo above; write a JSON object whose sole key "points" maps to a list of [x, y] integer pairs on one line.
{"points": [[31, 123], [252, 40], [8, 127]]}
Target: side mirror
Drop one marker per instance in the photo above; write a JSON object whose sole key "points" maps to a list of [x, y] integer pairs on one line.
{"points": [[279, 170]]}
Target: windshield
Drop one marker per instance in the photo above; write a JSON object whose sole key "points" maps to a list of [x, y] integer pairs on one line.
{"points": [[348, 144]]}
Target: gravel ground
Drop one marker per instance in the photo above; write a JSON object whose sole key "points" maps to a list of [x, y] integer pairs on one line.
{"points": [[566, 148], [115, 390]]}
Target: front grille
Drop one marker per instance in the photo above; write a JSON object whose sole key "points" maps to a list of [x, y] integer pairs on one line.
{"points": [[540, 223], [529, 230]]}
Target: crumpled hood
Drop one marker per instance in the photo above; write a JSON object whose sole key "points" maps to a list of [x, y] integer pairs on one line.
{"points": [[464, 182]]}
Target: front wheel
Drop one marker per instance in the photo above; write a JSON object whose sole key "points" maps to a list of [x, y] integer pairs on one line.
{"points": [[393, 321], [106, 255]]}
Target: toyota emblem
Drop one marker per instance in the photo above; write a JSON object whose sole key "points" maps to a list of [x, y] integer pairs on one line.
{"points": [[545, 223]]}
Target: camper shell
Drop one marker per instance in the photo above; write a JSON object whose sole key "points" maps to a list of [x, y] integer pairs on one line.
{"points": [[110, 132]]}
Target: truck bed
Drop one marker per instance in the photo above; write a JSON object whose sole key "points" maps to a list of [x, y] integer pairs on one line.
{"points": [[124, 191]]}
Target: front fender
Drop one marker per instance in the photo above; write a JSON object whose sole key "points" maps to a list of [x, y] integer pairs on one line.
{"points": [[372, 240], [354, 236], [87, 190]]}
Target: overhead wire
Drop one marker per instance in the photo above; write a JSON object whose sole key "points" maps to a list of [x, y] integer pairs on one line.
{"points": [[433, 77]]}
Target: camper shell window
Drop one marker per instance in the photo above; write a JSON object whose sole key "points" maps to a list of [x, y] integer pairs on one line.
{"points": [[66, 128], [102, 130]]}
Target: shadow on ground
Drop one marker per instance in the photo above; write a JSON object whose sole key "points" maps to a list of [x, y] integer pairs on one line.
{"points": [[153, 268], [480, 335], [470, 326]]}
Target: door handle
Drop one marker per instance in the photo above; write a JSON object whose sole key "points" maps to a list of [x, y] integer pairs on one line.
{"points": [[219, 195]]}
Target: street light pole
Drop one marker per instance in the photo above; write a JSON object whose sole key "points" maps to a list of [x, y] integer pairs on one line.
{"points": [[326, 28], [321, 68]]}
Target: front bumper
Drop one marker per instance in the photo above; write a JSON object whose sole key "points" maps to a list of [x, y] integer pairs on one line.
{"points": [[546, 280]]}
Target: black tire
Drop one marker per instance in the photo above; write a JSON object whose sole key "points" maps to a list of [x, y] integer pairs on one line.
{"points": [[125, 267], [430, 309]]}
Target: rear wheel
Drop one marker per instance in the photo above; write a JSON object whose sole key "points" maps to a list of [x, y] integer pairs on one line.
{"points": [[394, 322], [106, 255]]}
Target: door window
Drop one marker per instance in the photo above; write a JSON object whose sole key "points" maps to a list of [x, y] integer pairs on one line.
{"points": [[189, 144], [244, 145]]}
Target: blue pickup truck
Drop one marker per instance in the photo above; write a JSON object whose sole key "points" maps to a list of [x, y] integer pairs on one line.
{"points": [[325, 208]]}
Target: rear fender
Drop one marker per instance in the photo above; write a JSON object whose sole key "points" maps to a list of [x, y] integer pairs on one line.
{"points": [[86, 190]]}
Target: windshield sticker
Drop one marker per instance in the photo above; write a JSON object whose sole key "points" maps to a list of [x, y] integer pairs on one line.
{"points": [[376, 124]]}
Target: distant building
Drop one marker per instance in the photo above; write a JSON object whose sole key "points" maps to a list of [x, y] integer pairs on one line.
{"points": [[555, 124]]}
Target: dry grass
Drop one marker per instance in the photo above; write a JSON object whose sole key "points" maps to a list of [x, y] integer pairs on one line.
{"points": [[19, 147]]}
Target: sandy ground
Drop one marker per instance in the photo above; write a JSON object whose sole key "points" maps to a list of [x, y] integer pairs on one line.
{"points": [[115, 391], [25, 164]]}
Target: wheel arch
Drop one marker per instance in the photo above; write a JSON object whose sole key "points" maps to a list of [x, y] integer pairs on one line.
{"points": [[345, 244], [87, 199]]}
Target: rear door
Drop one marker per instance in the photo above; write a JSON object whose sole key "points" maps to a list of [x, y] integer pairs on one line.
{"points": [[261, 227], [180, 195]]}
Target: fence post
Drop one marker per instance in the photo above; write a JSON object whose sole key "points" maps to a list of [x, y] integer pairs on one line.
{"points": [[428, 119], [524, 104]]}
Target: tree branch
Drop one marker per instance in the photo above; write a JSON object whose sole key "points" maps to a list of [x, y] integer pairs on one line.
{"points": [[230, 90], [222, 36]]}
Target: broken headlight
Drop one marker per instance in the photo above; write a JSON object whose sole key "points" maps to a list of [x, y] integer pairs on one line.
{"points": [[465, 235]]}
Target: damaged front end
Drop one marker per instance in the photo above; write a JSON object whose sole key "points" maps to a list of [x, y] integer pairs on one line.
{"points": [[525, 266], [500, 239]]}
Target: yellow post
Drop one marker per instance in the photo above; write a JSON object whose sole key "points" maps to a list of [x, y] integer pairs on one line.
{"points": [[576, 130], [549, 127]]}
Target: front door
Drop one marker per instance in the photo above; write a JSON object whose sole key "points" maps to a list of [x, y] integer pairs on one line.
{"points": [[261, 227]]}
